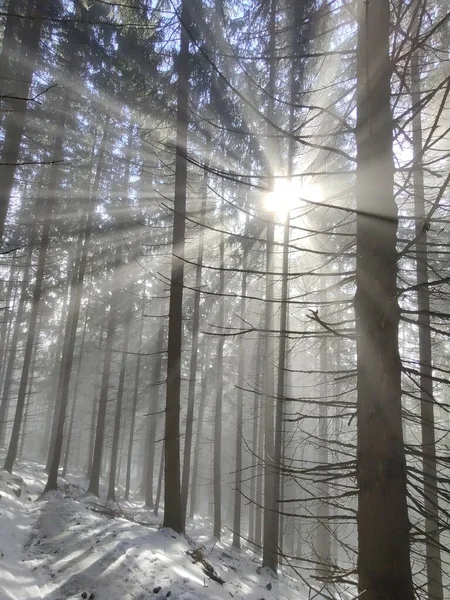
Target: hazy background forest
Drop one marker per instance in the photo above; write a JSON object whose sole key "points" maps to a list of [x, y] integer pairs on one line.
{"points": [[224, 279]]}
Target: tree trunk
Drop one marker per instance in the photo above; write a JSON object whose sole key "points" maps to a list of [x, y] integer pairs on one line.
{"points": [[239, 416], [29, 393], [153, 418], [217, 476], [430, 476], [116, 433], [198, 435], [134, 404], [383, 527], [94, 483], [323, 540], [173, 513], [75, 393], [193, 364], [270, 527]]}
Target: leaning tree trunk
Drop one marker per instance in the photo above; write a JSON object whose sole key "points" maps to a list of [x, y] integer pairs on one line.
{"points": [[173, 512], [384, 569]]}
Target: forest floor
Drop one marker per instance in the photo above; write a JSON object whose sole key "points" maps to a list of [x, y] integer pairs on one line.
{"points": [[67, 545]]}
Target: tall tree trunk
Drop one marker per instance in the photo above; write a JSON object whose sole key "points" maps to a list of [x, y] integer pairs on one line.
{"points": [[173, 512], [430, 476], [383, 527], [254, 514], [134, 403], [323, 539], [153, 418], [116, 432], [160, 480], [194, 353], [15, 121], [270, 527], [198, 434], [239, 415], [75, 393], [217, 475], [94, 483], [29, 393]]}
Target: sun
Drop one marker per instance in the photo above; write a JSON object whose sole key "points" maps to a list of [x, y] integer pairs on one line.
{"points": [[288, 195]]}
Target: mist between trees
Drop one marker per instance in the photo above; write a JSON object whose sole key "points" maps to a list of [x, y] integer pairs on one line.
{"points": [[225, 272]]}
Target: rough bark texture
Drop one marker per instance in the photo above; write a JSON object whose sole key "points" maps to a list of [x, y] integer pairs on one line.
{"points": [[173, 516], [383, 528]]}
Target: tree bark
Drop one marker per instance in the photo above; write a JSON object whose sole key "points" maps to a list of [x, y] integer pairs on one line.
{"points": [[173, 512], [239, 416], [382, 518], [194, 353], [430, 475], [217, 471], [116, 432], [134, 403]]}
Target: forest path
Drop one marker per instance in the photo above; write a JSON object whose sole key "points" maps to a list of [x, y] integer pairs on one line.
{"points": [[67, 546]]}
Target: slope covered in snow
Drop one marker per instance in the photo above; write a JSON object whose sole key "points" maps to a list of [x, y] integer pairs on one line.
{"points": [[68, 546]]}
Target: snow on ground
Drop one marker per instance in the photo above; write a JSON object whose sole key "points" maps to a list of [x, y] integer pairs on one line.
{"points": [[65, 546]]}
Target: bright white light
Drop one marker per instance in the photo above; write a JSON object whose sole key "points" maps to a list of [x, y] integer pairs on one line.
{"points": [[288, 195]]}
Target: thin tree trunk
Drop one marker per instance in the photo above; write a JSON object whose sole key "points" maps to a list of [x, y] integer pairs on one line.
{"points": [[323, 540], [270, 528], [153, 418], [29, 394], [383, 527], [430, 476], [254, 514], [160, 480], [239, 415], [217, 471], [198, 435], [134, 404], [193, 364], [94, 482], [116, 432], [75, 394]]}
